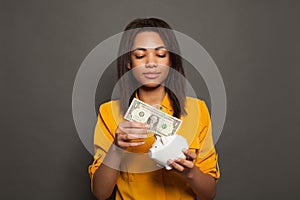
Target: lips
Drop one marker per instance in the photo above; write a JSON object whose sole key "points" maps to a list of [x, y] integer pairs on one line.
{"points": [[151, 75]]}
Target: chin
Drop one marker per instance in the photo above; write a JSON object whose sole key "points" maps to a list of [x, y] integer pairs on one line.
{"points": [[151, 85]]}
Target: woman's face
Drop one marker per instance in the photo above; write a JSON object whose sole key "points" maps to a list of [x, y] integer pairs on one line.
{"points": [[150, 59]]}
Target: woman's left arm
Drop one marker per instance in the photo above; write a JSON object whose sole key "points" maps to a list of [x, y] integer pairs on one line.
{"points": [[204, 185]]}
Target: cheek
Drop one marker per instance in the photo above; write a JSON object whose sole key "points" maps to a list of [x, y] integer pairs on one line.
{"points": [[165, 72], [168, 60], [136, 63], [137, 72], [163, 61]]}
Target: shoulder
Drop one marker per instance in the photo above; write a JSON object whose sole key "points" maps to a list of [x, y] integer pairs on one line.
{"points": [[109, 109], [109, 112], [108, 106], [191, 102], [197, 108]]}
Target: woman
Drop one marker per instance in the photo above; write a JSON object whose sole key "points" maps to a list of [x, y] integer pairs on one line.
{"points": [[149, 50]]}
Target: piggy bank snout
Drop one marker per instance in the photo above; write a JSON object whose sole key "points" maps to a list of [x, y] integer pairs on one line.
{"points": [[153, 151]]}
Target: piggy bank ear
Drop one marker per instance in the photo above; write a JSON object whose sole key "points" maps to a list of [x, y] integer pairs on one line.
{"points": [[157, 144]]}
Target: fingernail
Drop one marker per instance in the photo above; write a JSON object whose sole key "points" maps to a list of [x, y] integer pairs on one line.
{"points": [[147, 126]]}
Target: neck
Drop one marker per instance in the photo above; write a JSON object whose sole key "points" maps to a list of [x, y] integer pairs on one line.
{"points": [[152, 96]]}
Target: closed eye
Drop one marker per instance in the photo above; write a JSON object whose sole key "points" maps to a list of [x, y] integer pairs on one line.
{"points": [[139, 57], [161, 55]]}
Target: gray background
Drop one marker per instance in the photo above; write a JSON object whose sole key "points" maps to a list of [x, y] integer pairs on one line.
{"points": [[255, 44]]}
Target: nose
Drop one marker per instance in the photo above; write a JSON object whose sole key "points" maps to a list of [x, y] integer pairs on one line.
{"points": [[151, 60]]}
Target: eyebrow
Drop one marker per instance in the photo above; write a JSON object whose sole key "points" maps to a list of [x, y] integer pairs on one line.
{"points": [[144, 49]]}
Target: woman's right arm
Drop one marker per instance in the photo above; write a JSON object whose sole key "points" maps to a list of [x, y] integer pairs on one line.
{"points": [[128, 134]]}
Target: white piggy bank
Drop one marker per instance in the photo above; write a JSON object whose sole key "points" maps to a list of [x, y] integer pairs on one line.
{"points": [[166, 148]]}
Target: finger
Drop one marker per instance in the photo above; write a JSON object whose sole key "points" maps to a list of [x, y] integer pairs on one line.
{"points": [[133, 125], [176, 166], [189, 154], [134, 130], [128, 137], [119, 132], [124, 144], [184, 163]]}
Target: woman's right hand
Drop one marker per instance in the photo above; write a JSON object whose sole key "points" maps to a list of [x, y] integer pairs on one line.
{"points": [[131, 134]]}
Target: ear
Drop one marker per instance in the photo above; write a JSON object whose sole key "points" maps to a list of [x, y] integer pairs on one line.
{"points": [[128, 66]]}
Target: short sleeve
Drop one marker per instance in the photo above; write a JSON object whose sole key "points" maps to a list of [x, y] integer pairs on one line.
{"points": [[207, 158]]}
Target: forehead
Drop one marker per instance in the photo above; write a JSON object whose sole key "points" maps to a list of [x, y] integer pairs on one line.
{"points": [[147, 40]]}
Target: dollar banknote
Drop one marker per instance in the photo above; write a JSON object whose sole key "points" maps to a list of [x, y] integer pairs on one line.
{"points": [[160, 123]]}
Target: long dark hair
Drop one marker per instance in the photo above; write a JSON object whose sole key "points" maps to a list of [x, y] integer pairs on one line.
{"points": [[175, 83]]}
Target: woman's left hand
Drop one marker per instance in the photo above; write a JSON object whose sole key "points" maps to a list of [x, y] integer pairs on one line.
{"points": [[186, 167]]}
